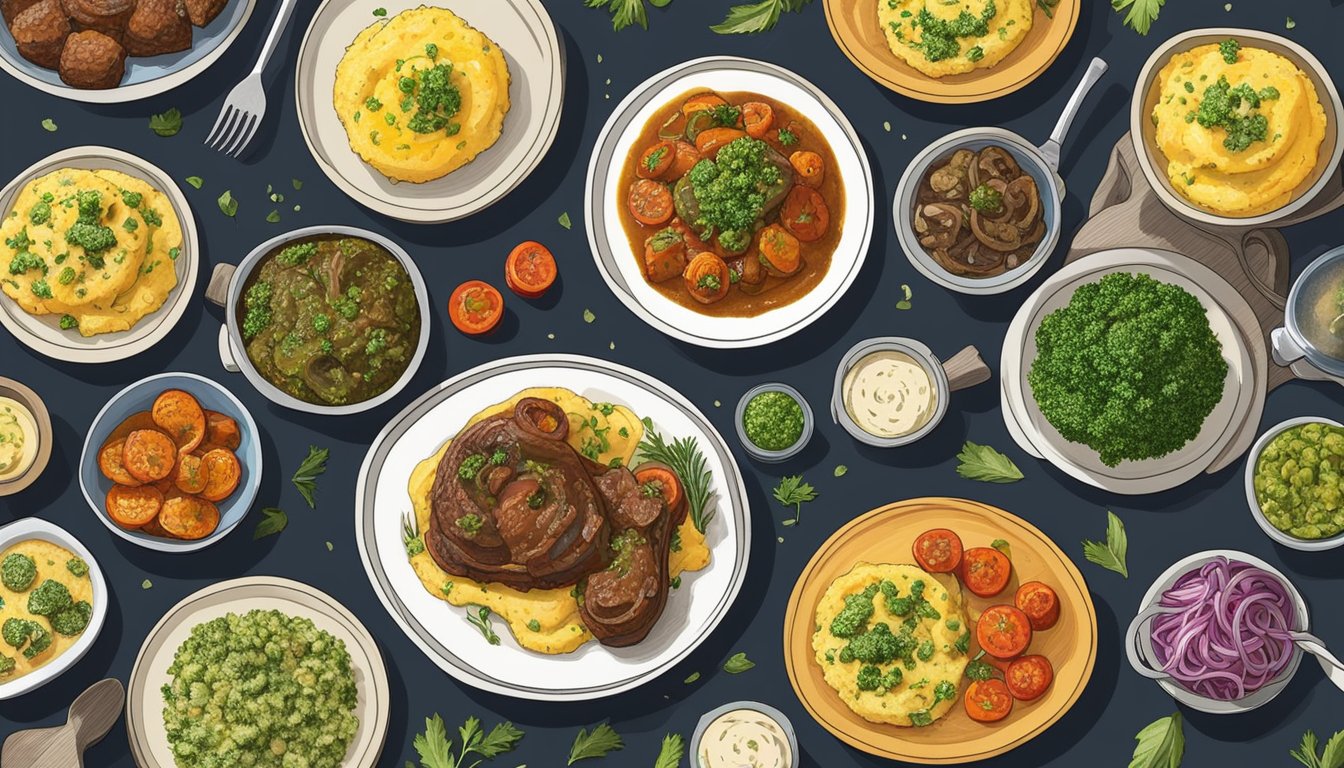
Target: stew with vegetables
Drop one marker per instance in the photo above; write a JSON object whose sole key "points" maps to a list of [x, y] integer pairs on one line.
{"points": [[732, 203], [330, 320]]}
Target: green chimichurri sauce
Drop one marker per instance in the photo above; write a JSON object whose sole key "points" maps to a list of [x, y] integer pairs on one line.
{"points": [[773, 421], [1298, 481]]}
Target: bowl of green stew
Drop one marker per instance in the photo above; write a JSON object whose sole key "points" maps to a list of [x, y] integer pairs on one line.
{"points": [[1295, 483], [330, 320]]}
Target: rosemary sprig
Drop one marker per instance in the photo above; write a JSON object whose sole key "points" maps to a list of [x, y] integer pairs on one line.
{"points": [[684, 457]]}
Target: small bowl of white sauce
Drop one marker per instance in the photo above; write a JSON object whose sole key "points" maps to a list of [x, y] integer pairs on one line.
{"points": [[891, 391], [744, 733]]}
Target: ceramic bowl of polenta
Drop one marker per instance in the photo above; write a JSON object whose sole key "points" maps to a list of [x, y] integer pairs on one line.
{"points": [[53, 600], [429, 111], [1235, 127], [97, 255]]}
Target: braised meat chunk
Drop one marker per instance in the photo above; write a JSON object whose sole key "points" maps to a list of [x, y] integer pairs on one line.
{"points": [[158, 27], [92, 60], [40, 31]]}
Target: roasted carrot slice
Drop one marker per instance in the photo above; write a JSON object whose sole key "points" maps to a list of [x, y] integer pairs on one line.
{"points": [[781, 255], [109, 461], [656, 160], [710, 141], [192, 475], [805, 214], [141, 420], [189, 517], [686, 158], [758, 118], [222, 431], [223, 473], [133, 507], [149, 455], [650, 202], [181, 416], [706, 278], [152, 528]]}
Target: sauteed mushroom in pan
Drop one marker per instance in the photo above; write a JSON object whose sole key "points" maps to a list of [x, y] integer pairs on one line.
{"points": [[978, 214]]}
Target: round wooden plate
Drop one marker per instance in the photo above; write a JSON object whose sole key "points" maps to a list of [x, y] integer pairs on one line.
{"points": [[884, 536], [856, 30]]}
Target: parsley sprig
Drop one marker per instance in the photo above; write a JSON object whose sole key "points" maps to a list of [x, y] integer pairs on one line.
{"points": [[306, 478], [603, 740], [436, 749], [793, 492]]}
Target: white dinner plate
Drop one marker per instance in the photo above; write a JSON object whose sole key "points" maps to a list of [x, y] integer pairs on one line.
{"points": [[442, 632], [1034, 433], [145, 75], [144, 696], [42, 333], [622, 270], [521, 28]]}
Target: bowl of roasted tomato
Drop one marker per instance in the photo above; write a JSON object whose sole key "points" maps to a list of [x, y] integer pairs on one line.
{"points": [[172, 463]]}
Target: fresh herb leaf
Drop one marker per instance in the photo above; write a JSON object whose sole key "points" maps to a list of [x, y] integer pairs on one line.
{"points": [[601, 741], [669, 756], [983, 463], [1161, 744], [305, 479], [738, 663], [433, 746], [273, 217], [840, 470], [684, 457], [1142, 13], [793, 492], [382, 12], [196, 181], [273, 521], [436, 749], [166, 123], [691, 678], [146, 584], [1289, 23], [49, 125], [227, 204], [564, 221], [756, 17], [904, 303], [1003, 547], [1111, 554], [297, 184], [624, 13], [588, 316], [1306, 754], [480, 619]]}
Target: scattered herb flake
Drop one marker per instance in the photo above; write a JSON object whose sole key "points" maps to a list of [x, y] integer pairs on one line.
{"points": [[738, 663], [691, 678], [196, 181], [305, 479], [840, 470], [1111, 553], [983, 463], [564, 221], [166, 123], [380, 12], [1161, 744], [599, 743], [146, 584], [227, 204], [273, 521], [273, 217], [49, 125], [588, 316]]}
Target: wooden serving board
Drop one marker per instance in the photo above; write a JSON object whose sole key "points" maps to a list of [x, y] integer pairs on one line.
{"points": [[885, 535], [1126, 212]]}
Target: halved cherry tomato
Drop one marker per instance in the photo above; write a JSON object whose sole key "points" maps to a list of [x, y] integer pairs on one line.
{"points": [[650, 202], [988, 701], [757, 117], [656, 160], [475, 307], [1040, 603], [938, 551], [530, 269], [1003, 631], [1029, 677], [985, 571]]}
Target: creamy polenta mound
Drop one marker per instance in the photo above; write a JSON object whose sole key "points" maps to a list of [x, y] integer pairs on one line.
{"points": [[941, 38], [96, 248], [1241, 128], [892, 641], [421, 94], [46, 603], [543, 620]]}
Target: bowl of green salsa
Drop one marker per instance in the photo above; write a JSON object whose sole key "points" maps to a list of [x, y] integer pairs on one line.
{"points": [[1295, 483], [774, 422]]}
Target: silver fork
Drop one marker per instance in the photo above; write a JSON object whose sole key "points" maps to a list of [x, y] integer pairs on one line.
{"points": [[245, 107]]}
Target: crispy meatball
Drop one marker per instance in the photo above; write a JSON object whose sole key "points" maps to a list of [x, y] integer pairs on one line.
{"points": [[202, 12], [91, 59], [106, 16], [157, 27], [40, 32]]}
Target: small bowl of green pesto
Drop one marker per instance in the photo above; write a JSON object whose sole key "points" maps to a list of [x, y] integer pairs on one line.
{"points": [[774, 422], [1295, 483]]}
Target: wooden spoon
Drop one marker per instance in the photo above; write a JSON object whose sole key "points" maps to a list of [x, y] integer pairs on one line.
{"points": [[91, 716]]}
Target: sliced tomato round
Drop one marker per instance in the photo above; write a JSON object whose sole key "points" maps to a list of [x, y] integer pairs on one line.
{"points": [[475, 307], [1039, 601], [1003, 631], [985, 571], [530, 269], [988, 701], [1029, 677], [938, 551], [650, 202]]}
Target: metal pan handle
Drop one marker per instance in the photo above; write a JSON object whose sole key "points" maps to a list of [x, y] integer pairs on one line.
{"points": [[217, 291], [1052, 145], [1134, 650], [965, 369]]}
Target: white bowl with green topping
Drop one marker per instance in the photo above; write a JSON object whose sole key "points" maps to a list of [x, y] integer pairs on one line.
{"points": [[1253, 500]]}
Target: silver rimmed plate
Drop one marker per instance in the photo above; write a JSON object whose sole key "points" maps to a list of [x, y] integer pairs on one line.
{"points": [[521, 28], [42, 333], [145, 75], [1243, 388], [622, 270], [593, 671]]}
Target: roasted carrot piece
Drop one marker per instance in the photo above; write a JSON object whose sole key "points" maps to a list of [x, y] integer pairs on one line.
{"points": [[141, 420], [152, 528], [758, 118], [650, 202], [664, 255], [805, 214], [223, 473], [109, 461], [181, 416], [149, 455], [781, 255], [706, 278], [222, 431], [686, 158], [656, 160], [809, 166], [711, 140], [189, 517], [133, 507], [192, 475]]}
